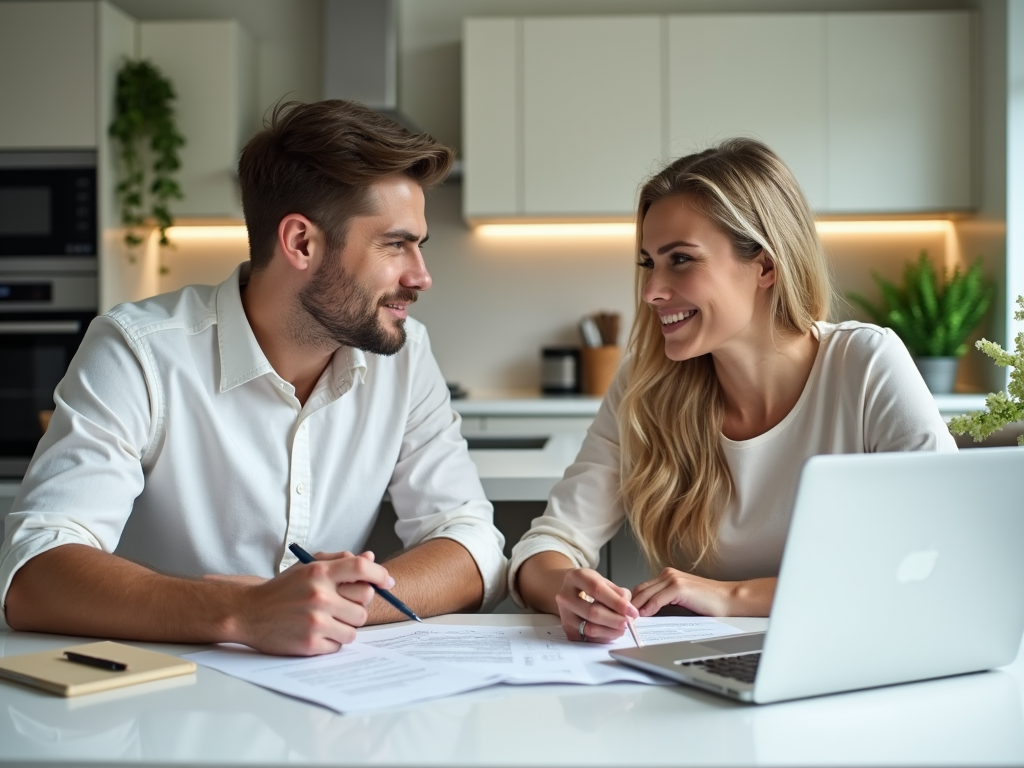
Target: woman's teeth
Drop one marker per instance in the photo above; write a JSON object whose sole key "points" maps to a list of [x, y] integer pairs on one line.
{"points": [[668, 319]]}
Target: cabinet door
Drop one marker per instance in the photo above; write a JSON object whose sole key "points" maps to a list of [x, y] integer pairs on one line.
{"points": [[48, 75], [492, 110], [212, 67], [592, 117], [899, 111], [756, 75]]}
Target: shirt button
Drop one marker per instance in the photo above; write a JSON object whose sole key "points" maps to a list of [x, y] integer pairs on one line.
{"points": [[300, 489]]}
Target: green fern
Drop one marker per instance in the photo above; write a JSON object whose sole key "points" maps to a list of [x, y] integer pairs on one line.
{"points": [[932, 319]]}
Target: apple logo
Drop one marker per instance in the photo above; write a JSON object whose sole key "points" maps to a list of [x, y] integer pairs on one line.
{"points": [[917, 566]]}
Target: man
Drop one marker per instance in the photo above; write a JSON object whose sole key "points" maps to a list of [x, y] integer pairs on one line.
{"points": [[199, 433]]}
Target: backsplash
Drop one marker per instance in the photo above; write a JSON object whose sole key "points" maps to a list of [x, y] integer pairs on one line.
{"points": [[496, 301]]}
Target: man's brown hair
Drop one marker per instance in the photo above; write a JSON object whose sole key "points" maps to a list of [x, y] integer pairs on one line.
{"points": [[319, 160]]}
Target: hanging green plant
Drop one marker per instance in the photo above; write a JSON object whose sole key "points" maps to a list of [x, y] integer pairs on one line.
{"points": [[144, 129]]}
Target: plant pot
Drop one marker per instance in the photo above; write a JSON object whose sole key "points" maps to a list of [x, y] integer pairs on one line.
{"points": [[939, 373]]}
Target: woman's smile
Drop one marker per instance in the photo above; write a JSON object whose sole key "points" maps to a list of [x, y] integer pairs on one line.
{"points": [[673, 321]]}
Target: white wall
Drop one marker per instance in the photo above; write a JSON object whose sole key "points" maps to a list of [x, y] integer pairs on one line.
{"points": [[287, 34], [493, 304], [1015, 165]]}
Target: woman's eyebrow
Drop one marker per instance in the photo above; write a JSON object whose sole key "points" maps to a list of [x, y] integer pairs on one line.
{"points": [[668, 247]]}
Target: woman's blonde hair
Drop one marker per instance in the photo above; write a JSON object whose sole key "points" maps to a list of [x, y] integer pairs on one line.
{"points": [[675, 480]]}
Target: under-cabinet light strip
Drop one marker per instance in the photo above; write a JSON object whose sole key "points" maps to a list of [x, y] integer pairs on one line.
{"points": [[612, 229], [626, 229]]}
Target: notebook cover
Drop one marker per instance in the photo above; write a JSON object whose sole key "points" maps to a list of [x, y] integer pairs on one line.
{"points": [[50, 671]]}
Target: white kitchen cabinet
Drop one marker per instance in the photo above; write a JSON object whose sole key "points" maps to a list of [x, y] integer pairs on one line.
{"points": [[756, 75], [48, 75], [561, 116], [492, 108], [899, 111], [592, 128], [565, 117], [213, 68]]}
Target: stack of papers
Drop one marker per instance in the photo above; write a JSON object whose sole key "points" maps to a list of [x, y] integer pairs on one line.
{"points": [[416, 662]]}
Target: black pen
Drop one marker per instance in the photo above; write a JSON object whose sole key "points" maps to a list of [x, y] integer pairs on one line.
{"points": [[305, 557], [93, 661]]}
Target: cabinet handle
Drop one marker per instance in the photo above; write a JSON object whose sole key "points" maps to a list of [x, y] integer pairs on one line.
{"points": [[11, 327]]}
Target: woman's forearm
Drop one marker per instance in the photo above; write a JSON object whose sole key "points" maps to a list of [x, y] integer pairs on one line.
{"points": [[540, 578], [752, 597]]}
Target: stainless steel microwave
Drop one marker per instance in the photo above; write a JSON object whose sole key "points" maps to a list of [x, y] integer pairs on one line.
{"points": [[47, 206]]}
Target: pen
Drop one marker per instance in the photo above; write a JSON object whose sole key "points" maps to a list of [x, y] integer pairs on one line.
{"points": [[93, 661], [629, 622], [305, 557]]}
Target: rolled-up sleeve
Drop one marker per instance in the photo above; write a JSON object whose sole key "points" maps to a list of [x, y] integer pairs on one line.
{"points": [[86, 471], [435, 488], [584, 509]]}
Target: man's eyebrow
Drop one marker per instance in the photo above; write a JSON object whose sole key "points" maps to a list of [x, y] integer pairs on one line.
{"points": [[404, 234]]}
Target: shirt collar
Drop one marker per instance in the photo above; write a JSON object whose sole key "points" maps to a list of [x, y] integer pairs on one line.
{"points": [[242, 358]]}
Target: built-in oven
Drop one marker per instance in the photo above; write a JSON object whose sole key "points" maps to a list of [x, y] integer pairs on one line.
{"points": [[43, 318], [47, 209]]}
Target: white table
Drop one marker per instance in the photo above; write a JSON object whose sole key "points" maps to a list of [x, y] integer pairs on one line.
{"points": [[212, 719]]}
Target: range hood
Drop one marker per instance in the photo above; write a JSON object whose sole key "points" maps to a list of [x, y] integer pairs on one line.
{"points": [[361, 55]]}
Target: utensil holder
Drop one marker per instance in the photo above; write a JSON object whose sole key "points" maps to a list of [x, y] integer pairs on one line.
{"points": [[599, 366]]}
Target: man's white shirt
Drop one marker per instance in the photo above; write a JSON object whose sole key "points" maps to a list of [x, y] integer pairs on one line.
{"points": [[176, 445]]}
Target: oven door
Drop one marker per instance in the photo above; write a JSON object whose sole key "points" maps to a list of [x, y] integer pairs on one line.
{"points": [[35, 350]]}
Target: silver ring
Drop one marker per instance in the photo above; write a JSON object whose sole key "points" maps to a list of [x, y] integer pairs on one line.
{"points": [[581, 630]]}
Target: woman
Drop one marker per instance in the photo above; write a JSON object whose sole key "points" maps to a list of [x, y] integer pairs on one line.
{"points": [[732, 381]]}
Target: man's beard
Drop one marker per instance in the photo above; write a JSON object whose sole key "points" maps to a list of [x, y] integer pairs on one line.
{"points": [[348, 314]]}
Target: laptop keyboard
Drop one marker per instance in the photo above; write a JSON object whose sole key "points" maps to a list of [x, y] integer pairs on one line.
{"points": [[742, 668]]}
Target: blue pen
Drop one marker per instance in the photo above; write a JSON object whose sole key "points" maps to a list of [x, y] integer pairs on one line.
{"points": [[305, 557]]}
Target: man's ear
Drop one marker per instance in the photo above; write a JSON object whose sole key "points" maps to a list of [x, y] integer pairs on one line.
{"points": [[766, 270], [298, 240]]}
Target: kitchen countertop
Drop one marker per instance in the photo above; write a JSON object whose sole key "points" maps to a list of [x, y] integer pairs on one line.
{"points": [[530, 474], [525, 402], [529, 402], [526, 475]]}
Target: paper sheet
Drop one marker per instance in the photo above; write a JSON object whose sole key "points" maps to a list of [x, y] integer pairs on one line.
{"points": [[355, 679], [523, 655], [416, 662]]}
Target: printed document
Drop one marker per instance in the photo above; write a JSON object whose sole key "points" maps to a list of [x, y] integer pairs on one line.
{"points": [[415, 662], [356, 678], [524, 655]]}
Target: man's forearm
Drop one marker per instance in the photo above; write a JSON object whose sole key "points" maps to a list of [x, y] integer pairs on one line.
{"points": [[438, 576], [78, 590]]}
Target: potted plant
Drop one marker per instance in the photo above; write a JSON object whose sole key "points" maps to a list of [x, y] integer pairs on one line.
{"points": [[1003, 407], [144, 130], [932, 318]]}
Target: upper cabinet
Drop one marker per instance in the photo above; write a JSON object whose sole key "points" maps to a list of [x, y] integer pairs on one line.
{"points": [[592, 110], [212, 67], [48, 75], [766, 81], [564, 118], [899, 111]]}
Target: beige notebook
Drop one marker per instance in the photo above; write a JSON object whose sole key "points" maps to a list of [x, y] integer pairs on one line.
{"points": [[52, 672]]}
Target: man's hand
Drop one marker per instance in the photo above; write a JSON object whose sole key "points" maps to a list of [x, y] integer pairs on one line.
{"points": [[312, 608]]}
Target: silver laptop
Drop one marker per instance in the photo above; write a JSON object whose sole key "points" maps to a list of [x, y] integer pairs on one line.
{"points": [[897, 567]]}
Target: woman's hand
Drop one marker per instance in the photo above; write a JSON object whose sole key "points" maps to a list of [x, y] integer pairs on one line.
{"points": [[591, 607], [704, 596]]}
